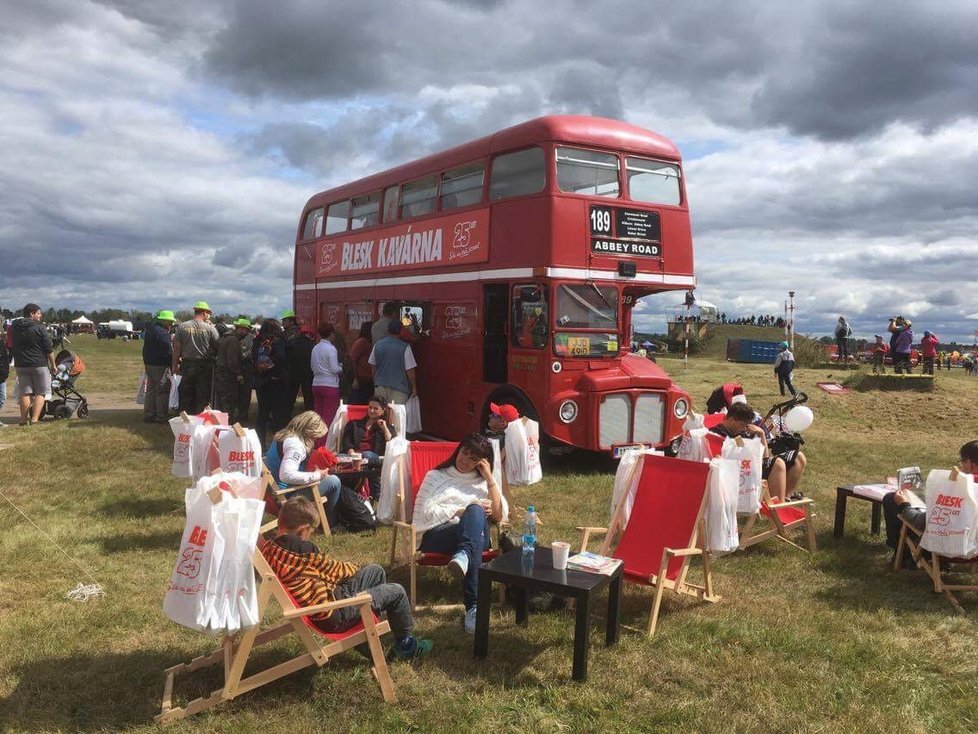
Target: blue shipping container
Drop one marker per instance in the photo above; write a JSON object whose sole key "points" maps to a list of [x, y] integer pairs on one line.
{"points": [[752, 350]]}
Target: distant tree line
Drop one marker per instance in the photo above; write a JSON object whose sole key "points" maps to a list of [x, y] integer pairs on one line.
{"points": [[138, 318]]}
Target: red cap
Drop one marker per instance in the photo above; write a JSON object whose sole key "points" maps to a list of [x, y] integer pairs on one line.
{"points": [[506, 412]]}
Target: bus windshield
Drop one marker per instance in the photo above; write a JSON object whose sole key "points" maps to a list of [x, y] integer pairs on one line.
{"points": [[586, 320]]}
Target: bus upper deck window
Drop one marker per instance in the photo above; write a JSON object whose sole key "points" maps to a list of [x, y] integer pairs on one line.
{"points": [[314, 224], [365, 211], [337, 216], [652, 181], [587, 172], [530, 317], [418, 197], [462, 186], [390, 203], [517, 174]]}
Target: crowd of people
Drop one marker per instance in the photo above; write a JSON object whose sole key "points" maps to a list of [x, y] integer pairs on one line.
{"points": [[278, 360], [754, 320]]}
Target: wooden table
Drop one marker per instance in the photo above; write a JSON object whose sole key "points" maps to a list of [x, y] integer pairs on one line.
{"points": [[842, 495], [538, 574]]}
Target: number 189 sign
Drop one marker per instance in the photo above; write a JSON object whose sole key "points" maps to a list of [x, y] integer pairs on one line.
{"points": [[618, 231]]}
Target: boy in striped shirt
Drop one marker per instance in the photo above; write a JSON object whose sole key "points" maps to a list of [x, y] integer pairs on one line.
{"points": [[313, 577]]}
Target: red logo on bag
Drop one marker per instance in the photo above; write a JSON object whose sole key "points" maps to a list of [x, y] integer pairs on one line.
{"points": [[183, 438], [946, 501], [198, 536], [241, 456], [189, 564]]}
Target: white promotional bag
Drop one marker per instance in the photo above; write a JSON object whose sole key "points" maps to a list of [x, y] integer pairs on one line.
{"points": [[191, 595], [694, 445], [399, 416], [174, 402], [141, 390], [239, 450], [412, 410], [723, 485], [749, 456], [334, 436], [394, 455], [206, 455], [235, 483], [952, 514], [183, 427], [626, 481], [523, 452], [212, 587]]}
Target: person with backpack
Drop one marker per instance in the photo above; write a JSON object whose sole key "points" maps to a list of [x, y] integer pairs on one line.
{"points": [[784, 365], [842, 334], [4, 374], [271, 379]]}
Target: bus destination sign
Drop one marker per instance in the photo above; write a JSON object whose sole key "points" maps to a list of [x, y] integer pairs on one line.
{"points": [[618, 231], [452, 240]]}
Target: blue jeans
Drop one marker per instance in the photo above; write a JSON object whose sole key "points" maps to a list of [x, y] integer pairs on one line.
{"points": [[3, 393], [471, 536], [329, 488]]}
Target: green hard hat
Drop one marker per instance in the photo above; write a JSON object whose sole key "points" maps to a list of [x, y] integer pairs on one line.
{"points": [[288, 314], [202, 306], [165, 316], [243, 322]]}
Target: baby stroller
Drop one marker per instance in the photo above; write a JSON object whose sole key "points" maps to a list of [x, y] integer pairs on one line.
{"points": [[65, 399]]}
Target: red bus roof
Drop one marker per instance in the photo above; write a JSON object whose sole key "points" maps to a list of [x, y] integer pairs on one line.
{"points": [[596, 131]]}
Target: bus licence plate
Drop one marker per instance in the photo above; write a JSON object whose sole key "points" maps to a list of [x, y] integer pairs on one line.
{"points": [[617, 451], [579, 346]]}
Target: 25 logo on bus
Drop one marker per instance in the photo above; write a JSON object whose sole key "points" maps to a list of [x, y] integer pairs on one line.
{"points": [[463, 234]]}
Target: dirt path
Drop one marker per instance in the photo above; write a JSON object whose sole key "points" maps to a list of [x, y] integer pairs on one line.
{"points": [[97, 403]]}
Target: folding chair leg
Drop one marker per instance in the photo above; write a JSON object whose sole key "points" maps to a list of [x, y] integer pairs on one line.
{"points": [[397, 534], [414, 585], [899, 549], [660, 584], [380, 671], [321, 509], [810, 530], [707, 578]]}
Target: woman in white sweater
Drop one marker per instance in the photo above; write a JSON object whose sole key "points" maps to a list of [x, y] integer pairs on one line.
{"points": [[455, 504], [290, 448], [326, 369]]}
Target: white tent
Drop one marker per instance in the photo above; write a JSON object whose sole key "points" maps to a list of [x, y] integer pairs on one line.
{"points": [[82, 324]]}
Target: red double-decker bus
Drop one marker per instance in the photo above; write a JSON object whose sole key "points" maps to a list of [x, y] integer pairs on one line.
{"points": [[522, 255]]}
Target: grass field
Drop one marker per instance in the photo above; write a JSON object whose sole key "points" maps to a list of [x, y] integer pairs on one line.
{"points": [[827, 642]]}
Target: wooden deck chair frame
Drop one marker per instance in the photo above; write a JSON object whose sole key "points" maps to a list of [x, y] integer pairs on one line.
{"points": [[910, 539], [282, 493], [405, 539], [777, 528], [236, 650], [660, 582]]}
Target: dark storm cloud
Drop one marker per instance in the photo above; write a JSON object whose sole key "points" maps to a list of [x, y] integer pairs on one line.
{"points": [[829, 70]]}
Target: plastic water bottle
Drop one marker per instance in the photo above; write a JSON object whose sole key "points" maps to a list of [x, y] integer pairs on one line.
{"points": [[529, 531]]}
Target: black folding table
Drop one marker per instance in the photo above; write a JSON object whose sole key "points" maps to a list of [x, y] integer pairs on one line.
{"points": [[525, 576]]}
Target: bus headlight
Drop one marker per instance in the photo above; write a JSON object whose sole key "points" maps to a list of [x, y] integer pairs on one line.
{"points": [[680, 408], [568, 411]]}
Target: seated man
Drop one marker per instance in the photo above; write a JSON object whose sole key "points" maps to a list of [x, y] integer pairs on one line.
{"points": [[794, 459], [313, 577], [739, 421], [905, 504], [500, 416]]}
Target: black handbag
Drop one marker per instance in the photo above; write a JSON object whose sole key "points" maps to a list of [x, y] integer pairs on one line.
{"points": [[353, 513]]}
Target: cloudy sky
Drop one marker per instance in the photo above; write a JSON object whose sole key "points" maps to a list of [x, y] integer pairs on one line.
{"points": [[155, 153]]}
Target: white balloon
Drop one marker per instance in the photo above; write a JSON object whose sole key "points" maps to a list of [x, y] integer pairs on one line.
{"points": [[798, 418]]}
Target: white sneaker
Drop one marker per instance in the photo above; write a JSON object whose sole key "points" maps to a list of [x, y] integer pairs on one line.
{"points": [[459, 565], [469, 621]]}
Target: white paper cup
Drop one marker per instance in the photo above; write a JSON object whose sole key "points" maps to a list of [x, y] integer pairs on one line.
{"points": [[560, 551]]}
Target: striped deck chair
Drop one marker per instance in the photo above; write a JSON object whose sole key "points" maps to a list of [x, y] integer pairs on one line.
{"points": [[663, 532], [319, 646]]}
